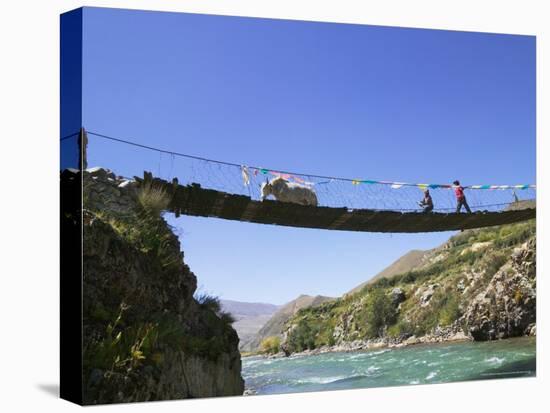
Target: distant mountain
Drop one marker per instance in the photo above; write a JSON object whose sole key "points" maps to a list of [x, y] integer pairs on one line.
{"points": [[274, 326], [250, 317], [240, 309], [407, 262]]}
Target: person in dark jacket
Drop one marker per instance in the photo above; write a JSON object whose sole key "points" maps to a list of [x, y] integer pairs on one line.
{"points": [[427, 202], [460, 198]]}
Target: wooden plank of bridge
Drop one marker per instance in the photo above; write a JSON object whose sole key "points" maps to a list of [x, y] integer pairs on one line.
{"points": [[249, 212], [217, 206], [340, 221], [197, 201]]}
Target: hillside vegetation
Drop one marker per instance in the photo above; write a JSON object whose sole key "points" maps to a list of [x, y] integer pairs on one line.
{"points": [[274, 326], [479, 285], [407, 262]]}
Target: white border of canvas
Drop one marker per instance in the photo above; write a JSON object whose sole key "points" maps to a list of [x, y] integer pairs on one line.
{"points": [[29, 95]]}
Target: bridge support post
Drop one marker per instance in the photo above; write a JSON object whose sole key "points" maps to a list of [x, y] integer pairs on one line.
{"points": [[83, 149]]}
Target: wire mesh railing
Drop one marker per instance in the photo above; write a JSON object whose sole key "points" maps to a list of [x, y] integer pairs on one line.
{"points": [[128, 158]]}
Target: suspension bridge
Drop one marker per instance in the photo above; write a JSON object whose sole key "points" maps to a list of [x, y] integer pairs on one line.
{"points": [[205, 187]]}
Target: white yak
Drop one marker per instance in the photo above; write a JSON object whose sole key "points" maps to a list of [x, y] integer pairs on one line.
{"points": [[285, 191]]}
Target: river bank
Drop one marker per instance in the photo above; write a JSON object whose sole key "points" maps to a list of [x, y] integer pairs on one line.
{"points": [[440, 335]]}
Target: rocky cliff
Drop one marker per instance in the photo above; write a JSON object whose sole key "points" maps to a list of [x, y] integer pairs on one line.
{"points": [[146, 337], [507, 306], [480, 285]]}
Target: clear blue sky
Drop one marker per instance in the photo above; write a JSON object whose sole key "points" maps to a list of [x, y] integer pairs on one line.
{"points": [[345, 100]]}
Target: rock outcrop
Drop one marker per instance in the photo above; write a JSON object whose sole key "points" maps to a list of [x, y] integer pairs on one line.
{"points": [[427, 294], [397, 296], [145, 335], [507, 307]]}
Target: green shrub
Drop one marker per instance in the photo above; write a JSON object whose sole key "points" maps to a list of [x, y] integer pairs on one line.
{"points": [[120, 348], [443, 310], [270, 345], [145, 231], [401, 328], [378, 312], [226, 318], [384, 282], [408, 278], [209, 301], [215, 315], [449, 311], [302, 337]]}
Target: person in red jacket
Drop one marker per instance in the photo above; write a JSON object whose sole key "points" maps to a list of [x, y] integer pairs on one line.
{"points": [[460, 198]]}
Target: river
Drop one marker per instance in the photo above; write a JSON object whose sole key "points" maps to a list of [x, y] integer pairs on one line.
{"points": [[418, 364]]}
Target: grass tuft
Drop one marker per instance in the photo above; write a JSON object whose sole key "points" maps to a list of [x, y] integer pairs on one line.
{"points": [[152, 198]]}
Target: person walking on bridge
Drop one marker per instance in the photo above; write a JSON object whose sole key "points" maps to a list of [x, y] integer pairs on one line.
{"points": [[460, 198], [427, 202]]}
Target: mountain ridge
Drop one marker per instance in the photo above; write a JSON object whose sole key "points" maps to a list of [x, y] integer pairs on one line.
{"points": [[404, 263], [249, 317], [273, 327]]}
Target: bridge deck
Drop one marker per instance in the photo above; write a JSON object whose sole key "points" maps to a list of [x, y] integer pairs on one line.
{"points": [[197, 201]]}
